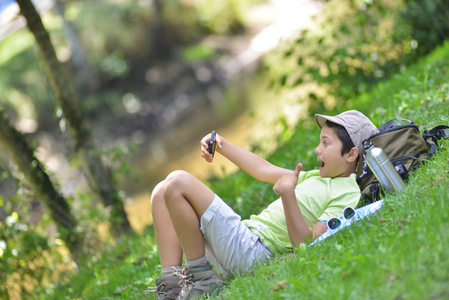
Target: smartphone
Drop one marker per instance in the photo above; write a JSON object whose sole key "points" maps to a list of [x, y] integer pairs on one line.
{"points": [[212, 144]]}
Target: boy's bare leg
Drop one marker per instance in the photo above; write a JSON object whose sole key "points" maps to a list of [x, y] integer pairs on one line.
{"points": [[170, 251], [186, 199], [177, 205]]}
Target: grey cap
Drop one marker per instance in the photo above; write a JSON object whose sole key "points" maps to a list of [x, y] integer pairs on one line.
{"points": [[358, 126]]}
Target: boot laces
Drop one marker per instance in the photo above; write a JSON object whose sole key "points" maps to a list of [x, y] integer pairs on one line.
{"points": [[156, 289], [184, 279]]}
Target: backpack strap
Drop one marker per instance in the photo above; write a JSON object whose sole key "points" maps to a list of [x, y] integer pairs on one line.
{"points": [[435, 134]]}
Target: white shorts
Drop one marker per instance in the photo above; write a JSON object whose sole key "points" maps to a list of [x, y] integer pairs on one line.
{"points": [[230, 246]]}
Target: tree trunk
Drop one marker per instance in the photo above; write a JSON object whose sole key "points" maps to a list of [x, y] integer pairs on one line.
{"points": [[21, 153], [99, 177]]}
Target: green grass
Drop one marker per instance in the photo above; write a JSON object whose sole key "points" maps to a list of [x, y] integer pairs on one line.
{"points": [[400, 253]]}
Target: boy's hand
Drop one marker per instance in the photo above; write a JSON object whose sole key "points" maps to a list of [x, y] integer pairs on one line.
{"points": [[287, 182], [205, 144]]}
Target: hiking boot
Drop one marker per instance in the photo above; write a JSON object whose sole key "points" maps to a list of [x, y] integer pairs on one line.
{"points": [[199, 281], [167, 288]]}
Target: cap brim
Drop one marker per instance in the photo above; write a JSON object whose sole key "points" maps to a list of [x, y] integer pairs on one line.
{"points": [[320, 120]]}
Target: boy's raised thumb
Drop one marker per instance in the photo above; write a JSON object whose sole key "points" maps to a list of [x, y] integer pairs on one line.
{"points": [[298, 169]]}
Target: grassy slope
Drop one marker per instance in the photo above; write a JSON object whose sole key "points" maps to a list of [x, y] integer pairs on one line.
{"points": [[400, 253]]}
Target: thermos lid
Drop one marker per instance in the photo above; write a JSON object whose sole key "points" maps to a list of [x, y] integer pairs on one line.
{"points": [[367, 144]]}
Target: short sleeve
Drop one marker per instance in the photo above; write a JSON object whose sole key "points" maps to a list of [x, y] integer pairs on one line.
{"points": [[304, 175]]}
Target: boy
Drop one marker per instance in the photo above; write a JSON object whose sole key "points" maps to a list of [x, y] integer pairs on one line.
{"points": [[189, 218]]}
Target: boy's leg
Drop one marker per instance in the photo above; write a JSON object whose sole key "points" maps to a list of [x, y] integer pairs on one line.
{"points": [[170, 251], [186, 199], [177, 205]]}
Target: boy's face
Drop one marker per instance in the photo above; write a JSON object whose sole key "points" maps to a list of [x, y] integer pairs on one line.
{"points": [[333, 164]]}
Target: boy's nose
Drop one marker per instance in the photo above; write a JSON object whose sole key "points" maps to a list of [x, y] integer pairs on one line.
{"points": [[317, 150]]}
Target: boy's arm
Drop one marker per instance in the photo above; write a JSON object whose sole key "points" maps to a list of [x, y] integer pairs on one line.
{"points": [[298, 230], [249, 162]]}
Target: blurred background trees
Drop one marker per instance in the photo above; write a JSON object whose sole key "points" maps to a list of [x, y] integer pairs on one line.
{"points": [[99, 177], [358, 44], [150, 78]]}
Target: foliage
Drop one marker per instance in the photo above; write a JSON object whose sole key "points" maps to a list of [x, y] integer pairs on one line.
{"points": [[429, 22], [25, 92], [119, 54], [119, 159], [27, 257], [119, 50], [356, 44], [222, 16]]}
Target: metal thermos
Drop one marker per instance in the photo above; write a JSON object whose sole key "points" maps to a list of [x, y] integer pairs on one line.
{"points": [[383, 169]]}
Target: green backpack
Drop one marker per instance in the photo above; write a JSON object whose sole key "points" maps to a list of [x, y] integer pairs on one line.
{"points": [[405, 146]]}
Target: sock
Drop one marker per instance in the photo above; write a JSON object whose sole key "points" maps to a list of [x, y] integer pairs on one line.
{"points": [[200, 262], [168, 272]]}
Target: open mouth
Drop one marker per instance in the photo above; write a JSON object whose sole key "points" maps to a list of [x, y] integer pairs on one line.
{"points": [[322, 163]]}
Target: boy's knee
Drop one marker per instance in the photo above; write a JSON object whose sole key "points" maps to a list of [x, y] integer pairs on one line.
{"points": [[158, 194], [175, 182]]}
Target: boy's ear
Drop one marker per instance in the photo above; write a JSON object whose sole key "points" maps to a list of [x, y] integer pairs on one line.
{"points": [[353, 154]]}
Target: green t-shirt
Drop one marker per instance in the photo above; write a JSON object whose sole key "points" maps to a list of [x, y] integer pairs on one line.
{"points": [[318, 198]]}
